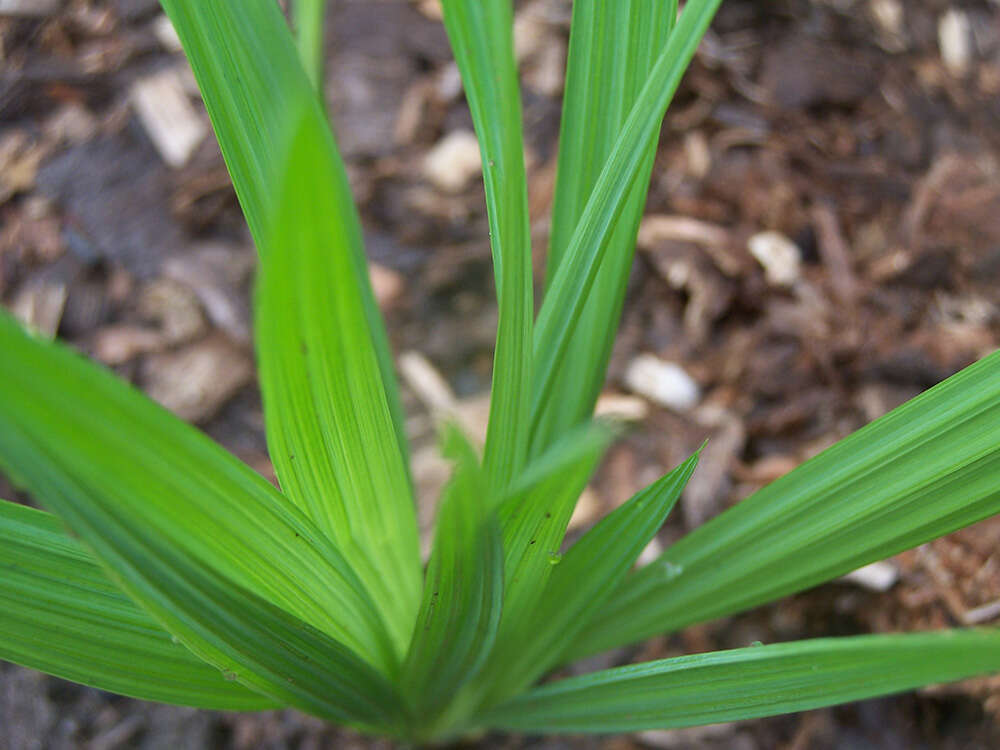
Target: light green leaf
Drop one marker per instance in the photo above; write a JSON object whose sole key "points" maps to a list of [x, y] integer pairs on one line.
{"points": [[569, 288], [579, 585], [748, 683], [463, 595], [130, 478], [329, 425], [254, 85], [309, 16], [60, 614], [612, 48], [482, 39], [534, 517], [923, 470]]}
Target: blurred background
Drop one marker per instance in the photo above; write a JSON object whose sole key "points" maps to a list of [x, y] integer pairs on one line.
{"points": [[821, 243]]}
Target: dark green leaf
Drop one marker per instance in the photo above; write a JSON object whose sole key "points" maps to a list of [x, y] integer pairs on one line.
{"points": [[254, 88], [464, 591], [923, 470], [59, 613], [748, 683], [612, 48], [582, 581], [482, 39], [201, 542], [569, 288]]}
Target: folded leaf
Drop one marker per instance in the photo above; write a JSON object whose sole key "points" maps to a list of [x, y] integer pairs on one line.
{"points": [[748, 683], [329, 424], [481, 35], [59, 613], [568, 290], [921, 471], [253, 84], [612, 48], [464, 591], [123, 472], [580, 583]]}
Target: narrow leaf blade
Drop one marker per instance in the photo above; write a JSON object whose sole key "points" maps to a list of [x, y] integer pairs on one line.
{"points": [[582, 581], [329, 423], [534, 517], [612, 48], [748, 683], [923, 470], [61, 614], [252, 82], [559, 318], [481, 35], [462, 602], [309, 15], [126, 475]]}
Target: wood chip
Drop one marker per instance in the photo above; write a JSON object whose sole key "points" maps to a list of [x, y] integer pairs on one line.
{"points": [[778, 255], [166, 34], [118, 344], [453, 161], [474, 416], [955, 41], [621, 407], [697, 154], [40, 305], [33, 8], [649, 553], [705, 494], [588, 509], [835, 253], [656, 229], [431, 9], [217, 273], [197, 381], [19, 160], [429, 384], [714, 735], [175, 308], [985, 613], [387, 284], [163, 107], [664, 382], [878, 576]]}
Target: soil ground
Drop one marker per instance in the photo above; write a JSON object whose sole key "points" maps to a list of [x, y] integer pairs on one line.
{"points": [[864, 135]]}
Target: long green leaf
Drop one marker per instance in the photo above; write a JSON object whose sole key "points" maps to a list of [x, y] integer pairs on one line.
{"points": [[59, 613], [464, 591], [534, 517], [193, 536], [750, 682], [329, 425], [586, 576], [612, 48], [559, 318], [482, 39], [96, 451], [309, 16], [252, 82], [923, 470]]}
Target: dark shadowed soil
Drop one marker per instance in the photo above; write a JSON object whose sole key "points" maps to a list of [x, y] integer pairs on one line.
{"points": [[822, 242]]}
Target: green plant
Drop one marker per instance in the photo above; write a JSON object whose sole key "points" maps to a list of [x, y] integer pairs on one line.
{"points": [[191, 580]]}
